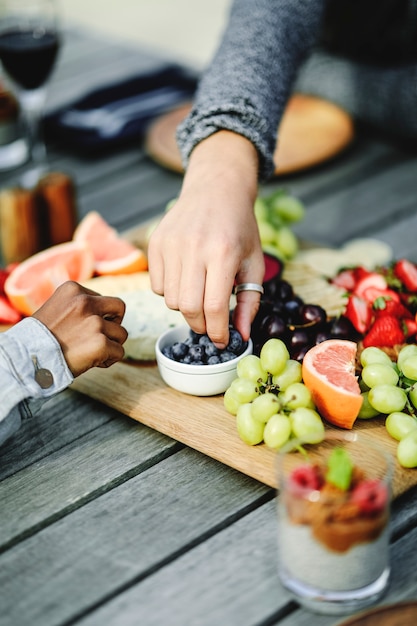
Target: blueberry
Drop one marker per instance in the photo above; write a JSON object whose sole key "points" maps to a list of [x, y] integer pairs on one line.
{"points": [[195, 337], [167, 351], [213, 360], [226, 355], [179, 350], [235, 342], [197, 353], [211, 350]]}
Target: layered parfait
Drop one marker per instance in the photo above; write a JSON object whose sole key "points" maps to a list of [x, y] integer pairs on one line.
{"points": [[334, 531]]}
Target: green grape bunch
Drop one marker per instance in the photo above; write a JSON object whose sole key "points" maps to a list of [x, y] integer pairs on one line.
{"points": [[270, 401], [275, 215], [390, 388]]}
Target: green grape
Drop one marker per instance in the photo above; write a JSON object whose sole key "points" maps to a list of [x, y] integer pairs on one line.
{"points": [[409, 367], [264, 406], [287, 207], [230, 402], [249, 430], [291, 374], [387, 398], [379, 374], [367, 411], [272, 249], [274, 356], [261, 210], [362, 386], [307, 425], [277, 431], [407, 450], [399, 424], [287, 242], [170, 204], [375, 355], [244, 390], [296, 395], [412, 396], [405, 353], [250, 367], [267, 233]]}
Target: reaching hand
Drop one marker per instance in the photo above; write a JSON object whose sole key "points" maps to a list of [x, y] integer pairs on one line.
{"points": [[86, 325], [209, 239]]}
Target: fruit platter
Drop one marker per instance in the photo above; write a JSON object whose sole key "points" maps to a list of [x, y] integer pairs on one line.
{"points": [[334, 346]]}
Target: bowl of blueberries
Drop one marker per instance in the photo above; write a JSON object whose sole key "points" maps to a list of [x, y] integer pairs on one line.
{"points": [[191, 363]]}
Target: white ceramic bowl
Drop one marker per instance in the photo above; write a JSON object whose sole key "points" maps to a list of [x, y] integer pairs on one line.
{"points": [[196, 380]]}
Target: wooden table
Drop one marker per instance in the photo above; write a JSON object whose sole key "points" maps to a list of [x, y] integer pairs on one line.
{"points": [[104, 521]]}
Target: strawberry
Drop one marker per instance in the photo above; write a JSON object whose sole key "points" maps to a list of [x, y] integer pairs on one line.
{"points": [[3, 275], [359, 312], [373, 279], [385, 331], [346, 279], [406, 272], [370, 294], [8, 315], [387, 306], [371, 496], [410, 327]]}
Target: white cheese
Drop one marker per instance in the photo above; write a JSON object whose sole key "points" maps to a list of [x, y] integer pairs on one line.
{"points": [[145, 319]]}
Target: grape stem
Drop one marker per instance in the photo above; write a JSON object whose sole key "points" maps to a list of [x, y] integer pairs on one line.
{"points": [[268, 386]]}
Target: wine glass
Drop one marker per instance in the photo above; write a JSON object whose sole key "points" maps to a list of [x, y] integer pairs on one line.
{"points": [[29, 44]]}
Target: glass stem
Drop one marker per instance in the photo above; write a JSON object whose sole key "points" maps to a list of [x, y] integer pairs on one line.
{"points": [[32, 104]]}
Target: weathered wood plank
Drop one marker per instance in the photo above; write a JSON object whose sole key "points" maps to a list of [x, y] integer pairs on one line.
{"points": [[229, 579], [63, 419], [362, 209], [94, 463], [122, 536]]}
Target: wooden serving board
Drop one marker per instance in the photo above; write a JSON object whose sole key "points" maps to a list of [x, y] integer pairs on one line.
{"points": [[312, 131], [139, 392]]}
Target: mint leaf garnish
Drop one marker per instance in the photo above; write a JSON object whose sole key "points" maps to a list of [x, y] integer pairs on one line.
{"points": [[339, 469]]}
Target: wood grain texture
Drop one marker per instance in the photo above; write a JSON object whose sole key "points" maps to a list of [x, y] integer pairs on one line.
{"points": [[119, 538], [203, 423]]}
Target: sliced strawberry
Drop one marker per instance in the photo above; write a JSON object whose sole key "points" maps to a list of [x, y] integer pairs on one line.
{"points": [[346, 279], [359, 312], [406, 272], [371, 496], [370, 294], [386, 331], [409, 327], [373, 279], [388, 306], [8, 315]]}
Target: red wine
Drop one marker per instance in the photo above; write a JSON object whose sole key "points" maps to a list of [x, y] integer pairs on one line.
{"points": [[28, 57]]}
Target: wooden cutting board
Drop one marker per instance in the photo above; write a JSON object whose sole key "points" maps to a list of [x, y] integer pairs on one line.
{"points": [[312, 131], [138, 391]]}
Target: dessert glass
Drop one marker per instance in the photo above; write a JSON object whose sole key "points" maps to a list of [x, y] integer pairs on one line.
{"points": [[334, 542]]}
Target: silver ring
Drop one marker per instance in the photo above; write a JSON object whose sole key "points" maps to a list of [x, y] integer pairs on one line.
{"points": [[249, 287]]}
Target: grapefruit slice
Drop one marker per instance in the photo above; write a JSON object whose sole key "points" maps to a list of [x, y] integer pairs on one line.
{"points": [[112, 253], [34, 280], [328, 370]]}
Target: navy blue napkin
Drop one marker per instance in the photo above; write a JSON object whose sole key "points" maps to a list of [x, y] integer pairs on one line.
{"points": [[120, 112]]}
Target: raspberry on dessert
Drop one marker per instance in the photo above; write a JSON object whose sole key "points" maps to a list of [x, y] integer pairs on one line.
{"points": [[305, 478], [371, 496]]}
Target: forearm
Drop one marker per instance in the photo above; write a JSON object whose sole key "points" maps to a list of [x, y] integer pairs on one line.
{"points": [[19, 391], [246, 87]]}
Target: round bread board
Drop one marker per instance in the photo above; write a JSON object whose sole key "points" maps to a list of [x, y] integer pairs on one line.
{"points": [[312, 131]]}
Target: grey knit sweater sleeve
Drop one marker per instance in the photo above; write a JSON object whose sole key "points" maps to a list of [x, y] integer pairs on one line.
{"points": [[247, 84]]}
